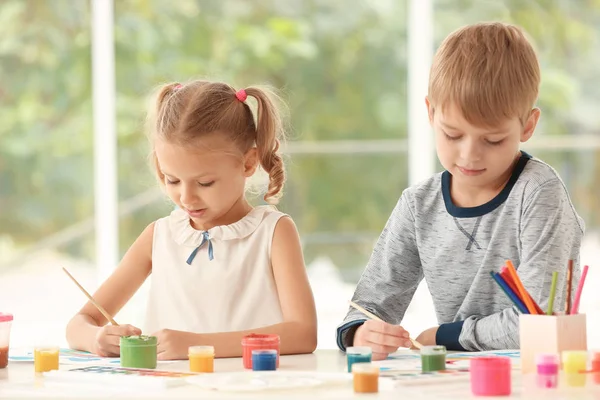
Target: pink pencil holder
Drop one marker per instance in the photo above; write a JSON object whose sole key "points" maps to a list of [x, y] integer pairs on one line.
{"points": [[490, 376]]}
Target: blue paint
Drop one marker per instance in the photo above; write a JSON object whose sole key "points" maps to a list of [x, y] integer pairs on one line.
{"points": [[358, 358], [264, 360]]}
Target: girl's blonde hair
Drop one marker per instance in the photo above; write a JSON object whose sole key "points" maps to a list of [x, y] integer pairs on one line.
{"points": [[183, 113]]}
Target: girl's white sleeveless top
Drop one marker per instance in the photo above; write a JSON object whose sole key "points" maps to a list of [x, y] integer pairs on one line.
{"points": [[233, 291]]}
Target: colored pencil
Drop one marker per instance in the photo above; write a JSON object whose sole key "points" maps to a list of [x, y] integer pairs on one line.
{"points": [[569, 287], [509, 292], [91, 299], [552, 293], [522, 292], [375, 317], [507, 278], [575, 308]]}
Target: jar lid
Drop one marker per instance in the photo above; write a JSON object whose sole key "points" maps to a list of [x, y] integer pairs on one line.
{"points": [[433, 350], [487, 363], [5, 317], [201, 350], [255, 338], [142, 340], [359, 350], [264, 353]]}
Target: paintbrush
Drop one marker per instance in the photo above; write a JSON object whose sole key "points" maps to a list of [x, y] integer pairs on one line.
{"points": [[375, 317], [91, 299]]}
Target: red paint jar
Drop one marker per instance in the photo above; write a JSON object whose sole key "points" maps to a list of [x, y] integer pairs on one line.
{"points": [[258, 342], [596, 367]]}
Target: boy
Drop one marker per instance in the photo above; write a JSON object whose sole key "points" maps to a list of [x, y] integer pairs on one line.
{"points": [[493, 203]]}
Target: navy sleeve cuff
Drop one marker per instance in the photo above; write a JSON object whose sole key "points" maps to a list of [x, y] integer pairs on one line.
{"points": [[345, 333], [448, 334]]}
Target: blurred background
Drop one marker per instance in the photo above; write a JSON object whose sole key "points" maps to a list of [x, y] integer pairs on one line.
{"points": [[343, 66]]}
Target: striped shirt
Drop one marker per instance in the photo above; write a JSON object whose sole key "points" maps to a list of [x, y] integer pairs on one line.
{"points": [[531, 222]]}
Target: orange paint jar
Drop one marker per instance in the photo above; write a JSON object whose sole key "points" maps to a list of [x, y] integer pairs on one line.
{"points": [[202, 358], [365, 377]]}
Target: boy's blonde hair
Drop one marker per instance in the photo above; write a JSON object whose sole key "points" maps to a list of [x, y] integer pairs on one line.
{"points": [[184, 113], [489, 71]]}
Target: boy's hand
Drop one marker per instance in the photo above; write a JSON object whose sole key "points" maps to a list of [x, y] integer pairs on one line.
{"points": [[107, 340], [381, 337], [173, 345], [427, 337]]}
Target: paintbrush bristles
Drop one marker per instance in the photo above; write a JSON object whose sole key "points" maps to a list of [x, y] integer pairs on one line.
{"points": [[375, 317], [91, 299]]}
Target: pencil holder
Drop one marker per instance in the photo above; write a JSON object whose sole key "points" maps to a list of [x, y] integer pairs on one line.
{"points": [[549, 334]]}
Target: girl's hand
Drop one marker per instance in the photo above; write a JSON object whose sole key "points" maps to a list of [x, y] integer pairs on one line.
{"points": [[173, 345], [106, 342], [381, 337]]}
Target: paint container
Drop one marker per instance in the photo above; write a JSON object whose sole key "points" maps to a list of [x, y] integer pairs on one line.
{"points": [[5, 325], [547, 366], [264, 360], [45, 358], [490, 376], [365, 377], [575, 364], [258, 342], [433, 358], [358, 355], [138, 351], [202, 358], [596, 367]]}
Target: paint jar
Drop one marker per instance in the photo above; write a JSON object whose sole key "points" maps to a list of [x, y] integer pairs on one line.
{"points": [[202, 358], [138, 351], [490, 376], [433, 358], [574, 364], [258, 342], [264, 360], [596, 367], [365, 377], [45, 358], [358, 355], [547, 366], [5, 325]]}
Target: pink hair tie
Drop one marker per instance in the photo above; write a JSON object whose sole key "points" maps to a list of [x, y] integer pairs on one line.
{"points": [[177, 86], [241, 95]]}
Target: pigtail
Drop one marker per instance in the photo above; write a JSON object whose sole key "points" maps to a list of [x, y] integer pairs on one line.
{"points": [[157, 121], [269, 133]]}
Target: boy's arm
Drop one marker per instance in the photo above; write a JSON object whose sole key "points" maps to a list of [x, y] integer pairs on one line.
{"points": [[550, 235], [391, 277]]}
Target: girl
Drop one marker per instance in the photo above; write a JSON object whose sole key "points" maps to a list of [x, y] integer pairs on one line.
{"points": [[220, 269]]}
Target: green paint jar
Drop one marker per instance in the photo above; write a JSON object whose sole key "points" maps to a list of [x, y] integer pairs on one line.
{"points": [[433, 358], [138, 351]]}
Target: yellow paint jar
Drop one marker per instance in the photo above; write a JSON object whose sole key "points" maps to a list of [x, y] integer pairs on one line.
{"points": [[45, 358], [574, 366], [202, 358]]}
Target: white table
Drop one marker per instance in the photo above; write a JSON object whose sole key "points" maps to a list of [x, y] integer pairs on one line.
{"points": [[20, 381]]}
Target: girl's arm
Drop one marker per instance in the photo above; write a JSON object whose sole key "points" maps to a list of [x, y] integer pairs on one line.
{"points": [[297, 332], [85, 328]]}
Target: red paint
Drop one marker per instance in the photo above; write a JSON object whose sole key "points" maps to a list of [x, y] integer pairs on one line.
{"points": [[3, 357], [596, 367], [258, 342]]}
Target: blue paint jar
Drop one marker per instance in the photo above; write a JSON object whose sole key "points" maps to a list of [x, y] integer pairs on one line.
{"points": [[358, 355], [264, 360]]}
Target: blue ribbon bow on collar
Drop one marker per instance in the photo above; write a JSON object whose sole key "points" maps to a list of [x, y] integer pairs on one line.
{"points": [[205, 239]]}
